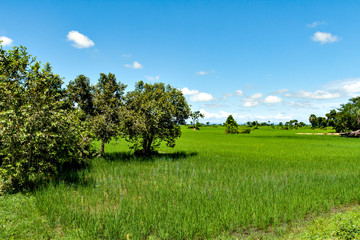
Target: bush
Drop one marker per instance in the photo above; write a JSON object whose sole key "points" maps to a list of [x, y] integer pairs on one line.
{"points": [[40, 138], [246, 130], [231, 127]]}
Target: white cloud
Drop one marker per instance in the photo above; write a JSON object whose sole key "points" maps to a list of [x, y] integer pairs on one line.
{"points": [[250, 103], [6, 41], [80, 40], [281, 91], [220, 115], [324, 37], [188, 92], [151, 78], [201, 73], [196, 96], [226, 95], [201, 97], [272, 99], [239, 92], [126, 55], [134, 65], [256, 96], [352, 86], [315, 24], [318, 94], [347, 87]]}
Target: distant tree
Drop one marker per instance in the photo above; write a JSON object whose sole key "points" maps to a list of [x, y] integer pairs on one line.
{"points": [[207, 123], [301, 124], [347, 116], [255, 124], [313, 121], [331, 116], [108, 103], [231, 127], [195, 119], [153, 113], [322, 122]]}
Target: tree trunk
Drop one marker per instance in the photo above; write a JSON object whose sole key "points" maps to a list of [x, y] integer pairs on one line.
{"points": [[147, 145], [102, 150]]}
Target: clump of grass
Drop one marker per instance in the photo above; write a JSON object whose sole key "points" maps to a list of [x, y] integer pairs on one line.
{"points": [[21, 219], [341, 225]]}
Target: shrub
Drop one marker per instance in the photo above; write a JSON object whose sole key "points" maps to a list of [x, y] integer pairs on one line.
{"points": [[231, 127], [40, 138]]}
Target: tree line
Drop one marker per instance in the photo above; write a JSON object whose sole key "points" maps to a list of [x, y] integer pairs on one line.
{"points": [[47, 130], [343, 119]]}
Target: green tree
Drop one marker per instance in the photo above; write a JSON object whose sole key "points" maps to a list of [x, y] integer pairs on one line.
{"points": [[313, 121], [231, 127], [40, 138], [347, 116], [108, 103], [331, 116], [195, 119], [81, 94], [153, 113]]}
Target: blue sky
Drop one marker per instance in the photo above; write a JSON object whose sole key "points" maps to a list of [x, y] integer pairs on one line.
{"points": [[257, 60]]}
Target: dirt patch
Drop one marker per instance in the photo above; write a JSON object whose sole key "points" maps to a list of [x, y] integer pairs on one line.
{"points": [[333, 134]]}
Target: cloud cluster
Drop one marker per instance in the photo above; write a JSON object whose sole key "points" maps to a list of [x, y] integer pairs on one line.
{"points": [[151, 78], [324, 37], [318, 94], [80, 40], [196, 96], [134, 65], [239, 92], [346, 87], [272, 99], [253, 100], [6, 41]]}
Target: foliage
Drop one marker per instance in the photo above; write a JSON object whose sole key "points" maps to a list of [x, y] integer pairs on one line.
{"points": [[81, 94], [231, 127], [40, 138], [153, 113], [245, 130], [346, 118], [342, 225], [292, 124], [195, 119], [108, 101]]}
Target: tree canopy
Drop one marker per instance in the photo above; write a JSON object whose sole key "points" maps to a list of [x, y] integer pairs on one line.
{"points": [[108, 101], [40, 137], [152, 114]]}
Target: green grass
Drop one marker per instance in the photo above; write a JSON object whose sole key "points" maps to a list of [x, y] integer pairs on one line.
{"points": [[210, 186]]}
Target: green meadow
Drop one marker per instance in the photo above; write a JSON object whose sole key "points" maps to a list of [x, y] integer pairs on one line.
{"points": [[210, 186]]}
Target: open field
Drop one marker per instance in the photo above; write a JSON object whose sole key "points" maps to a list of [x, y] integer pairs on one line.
{"points": [[211, 185]]}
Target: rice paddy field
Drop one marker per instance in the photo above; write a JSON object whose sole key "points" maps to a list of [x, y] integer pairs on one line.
{"points": [[210, 186]]}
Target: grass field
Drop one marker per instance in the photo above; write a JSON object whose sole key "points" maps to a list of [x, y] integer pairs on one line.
{"points": [[210, 186]]}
